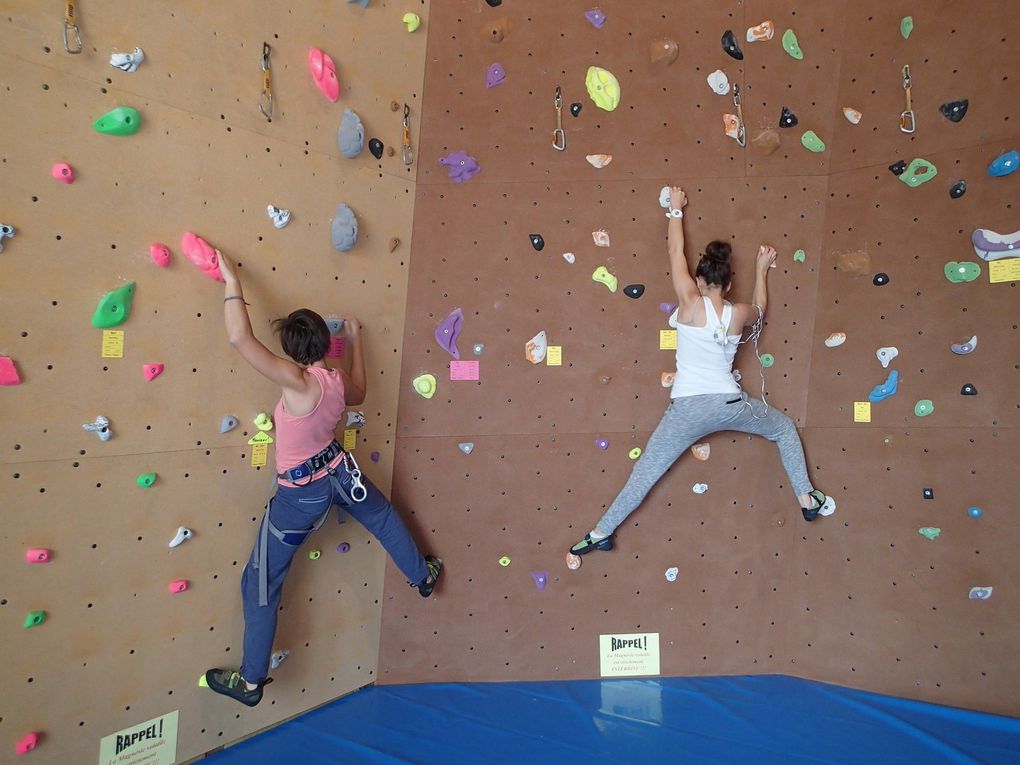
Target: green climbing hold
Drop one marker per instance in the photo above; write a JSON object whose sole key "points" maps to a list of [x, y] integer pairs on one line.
{"points": [[961, 272], [314, 554], [634, 453], [791, 46], [906, 26], [924, 407], [114, 307], [120, 121], [34, 619], [929, 532], [504, 561], [145, 480], [767, 360], [918, 171], [812, 142], [800, 256]]}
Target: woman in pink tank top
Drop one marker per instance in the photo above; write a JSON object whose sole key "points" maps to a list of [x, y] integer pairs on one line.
{"points": [[313, 474]]}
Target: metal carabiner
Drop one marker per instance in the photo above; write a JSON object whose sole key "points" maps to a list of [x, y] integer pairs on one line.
{"points": [[71, 26], [266, 99], [406, 154], [559, 137], [358, 491], [907, 124], [741, 136]]}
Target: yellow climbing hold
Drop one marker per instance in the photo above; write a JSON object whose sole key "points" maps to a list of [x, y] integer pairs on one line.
{"points": [[424, 385], [412, 20], [634, 453], [603, 88], [504, 561]]}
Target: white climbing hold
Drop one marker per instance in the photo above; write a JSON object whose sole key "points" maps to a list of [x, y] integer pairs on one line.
{"points": [[569, 257], [598, 161], [699, 488], [886, 354], [228, 423], [828, 506], [277, 658], [101, 427], [477, 349], [853, 116], [355, 419], [719, 82], [534, 350], [280, 218], [701, 451], [980, 593], [127, 62], [466, 446], [183, 534], [600, 237], [671, 573], [835, 340]]}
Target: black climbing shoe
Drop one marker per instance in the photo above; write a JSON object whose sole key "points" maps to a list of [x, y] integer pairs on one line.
{"points": [[428, 584], [230, 683], [810, 513], [588, 544]]}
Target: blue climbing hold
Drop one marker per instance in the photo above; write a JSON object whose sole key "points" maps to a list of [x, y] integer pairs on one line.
{"points": [[886, 389], [1004, 164], [975, 512]]}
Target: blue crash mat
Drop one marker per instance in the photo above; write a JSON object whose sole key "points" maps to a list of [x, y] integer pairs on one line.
{"points": [[761, 720]]}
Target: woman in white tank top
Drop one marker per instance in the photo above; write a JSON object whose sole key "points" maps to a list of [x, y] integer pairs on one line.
{"points": [[705, 397]]}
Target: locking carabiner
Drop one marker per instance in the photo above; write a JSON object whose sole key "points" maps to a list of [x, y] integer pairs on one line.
{"points": [[406, 154], [358, 491], [907, 124], [559, 137], [71, 26], [266, 99], [741, 137]]}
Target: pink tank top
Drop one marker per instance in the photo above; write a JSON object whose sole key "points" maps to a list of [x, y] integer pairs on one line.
{"points": [[298, 438]]}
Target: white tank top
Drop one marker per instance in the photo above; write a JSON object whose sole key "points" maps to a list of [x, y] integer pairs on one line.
{"points": [[704, 355]]}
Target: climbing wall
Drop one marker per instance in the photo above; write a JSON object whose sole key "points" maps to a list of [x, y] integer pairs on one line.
{"points": [[116, 648], [859, 598]]}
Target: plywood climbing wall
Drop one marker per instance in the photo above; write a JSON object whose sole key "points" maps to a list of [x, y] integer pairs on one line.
{"points": [[858, 598], [116, 648]]}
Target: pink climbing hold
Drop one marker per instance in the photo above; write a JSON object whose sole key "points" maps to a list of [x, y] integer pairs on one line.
{"points": [[160, 254], [324, 73], [63, 172], [27, 743], [202, 254], [178, 585], [37, 555], [152, 371], [8, 372]]}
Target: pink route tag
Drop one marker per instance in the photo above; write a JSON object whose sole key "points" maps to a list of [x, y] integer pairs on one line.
{"points": [[463, 370], [336, 347]]}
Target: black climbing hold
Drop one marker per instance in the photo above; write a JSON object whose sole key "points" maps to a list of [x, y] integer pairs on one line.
{"points": [[928, 493], [634, 290], [880, 280], [898, 168], [575, 108], [729, 44], [958, 189], [968, 390], [537, 242], [787, 119], [494, 3], [375, 146], [954, 111]]}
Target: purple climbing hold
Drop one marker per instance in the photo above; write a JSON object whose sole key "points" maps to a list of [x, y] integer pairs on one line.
{"points": [[667, 308], [495, 75], [448, 330], [541, 578], [596, 17], [374, 456], [602, 443], [461, 165], [343, 547]]}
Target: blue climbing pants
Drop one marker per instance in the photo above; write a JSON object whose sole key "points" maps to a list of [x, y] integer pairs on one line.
{"points": [[300, 510], [689, 418]]}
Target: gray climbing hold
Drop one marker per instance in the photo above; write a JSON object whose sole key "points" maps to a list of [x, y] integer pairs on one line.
{"points": [[363, 4], [466, 446], [228, 423], [335, 326], [350, 136], [344, 230]]}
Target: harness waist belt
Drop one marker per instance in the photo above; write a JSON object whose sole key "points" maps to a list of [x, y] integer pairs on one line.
{"points": [[314, 464]]}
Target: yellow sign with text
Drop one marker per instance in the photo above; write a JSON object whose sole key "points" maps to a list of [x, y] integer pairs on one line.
{"points": [[629, 655]]}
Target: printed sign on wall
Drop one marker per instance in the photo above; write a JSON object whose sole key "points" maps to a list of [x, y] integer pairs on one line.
{"points": [[153, 743], [629, 655]]}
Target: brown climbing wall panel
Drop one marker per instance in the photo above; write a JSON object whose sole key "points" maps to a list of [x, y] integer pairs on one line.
{"points": [[116, 648], [859, 598]]}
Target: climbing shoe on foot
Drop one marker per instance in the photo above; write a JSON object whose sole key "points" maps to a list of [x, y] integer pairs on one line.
{"points": [[588, 544], [428, 584], [810, 513], [230, 683]]}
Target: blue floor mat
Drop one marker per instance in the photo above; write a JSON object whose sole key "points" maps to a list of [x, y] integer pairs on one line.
{"points": [[761, 720]]}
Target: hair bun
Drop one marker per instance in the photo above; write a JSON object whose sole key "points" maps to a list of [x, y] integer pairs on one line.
{"points": [[718, 252]]}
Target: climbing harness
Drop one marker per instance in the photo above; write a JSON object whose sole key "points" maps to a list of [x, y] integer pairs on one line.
{"points": [[559, 137], [907, 116], [71, 26], [295, 537], [741, 136], [406, 154], [266, 99]]}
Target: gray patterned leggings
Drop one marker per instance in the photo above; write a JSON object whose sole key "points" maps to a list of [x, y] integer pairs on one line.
{"points": [[692, 417]]}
